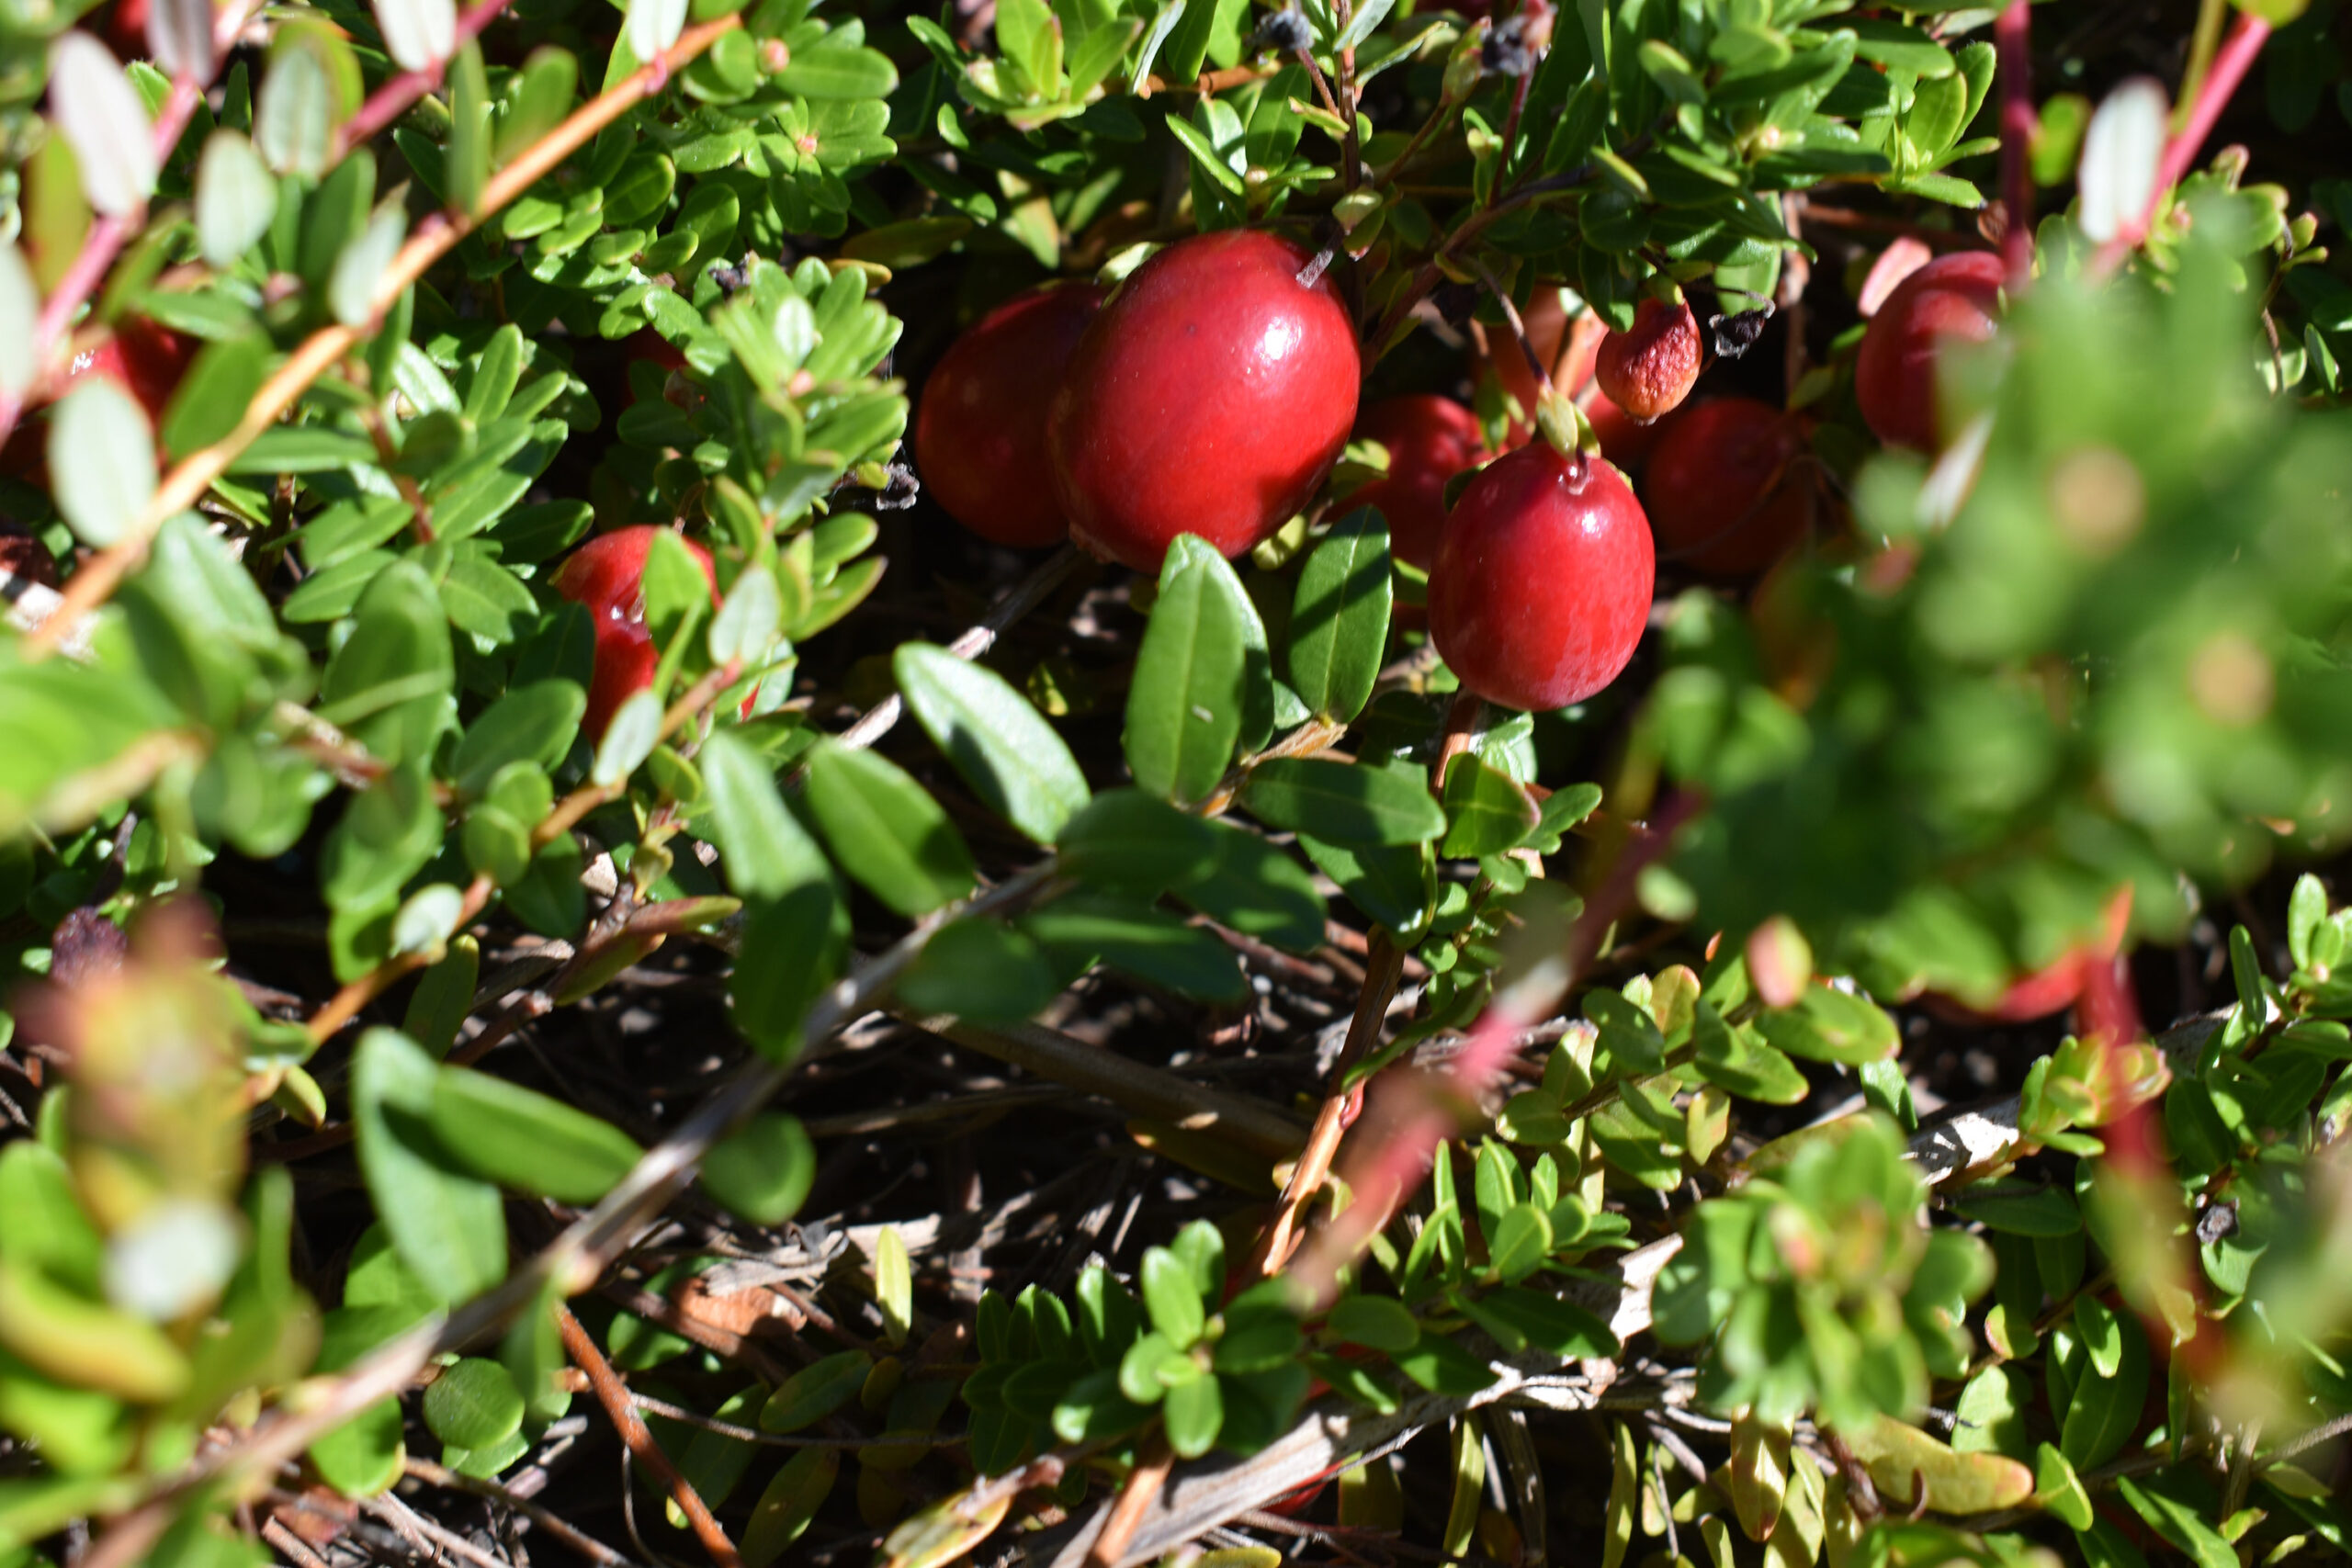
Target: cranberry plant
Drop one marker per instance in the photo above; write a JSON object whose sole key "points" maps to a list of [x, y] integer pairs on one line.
{"points": [[479, 596]]}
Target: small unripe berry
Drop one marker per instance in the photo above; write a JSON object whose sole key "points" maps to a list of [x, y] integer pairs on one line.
{"points": [[1649, 370], [981, 427], [1953, 297], [1730, 488], [1541, 583], [1210, 396]]}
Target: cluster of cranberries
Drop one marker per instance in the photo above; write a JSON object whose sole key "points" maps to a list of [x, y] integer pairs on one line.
{"points": [[1212, 393]]}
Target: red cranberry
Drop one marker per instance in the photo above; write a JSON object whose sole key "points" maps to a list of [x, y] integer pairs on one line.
{"points": [[1954, 296], [1210, 396], [1649, 370], [1542, 582], [1569, 349], [1726, 492], [1430, 440], [980, 428], [607, 576]]}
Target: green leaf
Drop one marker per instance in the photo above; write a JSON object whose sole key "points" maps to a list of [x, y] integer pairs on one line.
{"points": [[448, 1226], [236, 199], [101, 115], [792, 949], [212, 396], [1396, 887], [1172, 1297], [1521, 1242], [1831, 1025], [2105, 1409], [1138, 940], [101, 460], [1030, 37], [364, 1456], [885, 830], [532, 723], [1133, 842], [815, 1391], [526, 1141], [788, 1504], [1375, 1322], [1562, 810], [1193, 1412], [2179, 1523], [2019, 1210], [1487, 811], [980, 970], [1556, 1328], [762, 849], [1339, 627], [1348, 804], [1185, 708], [1259, 890], [761, 1171], [1002, 747], [389, 686], [1441, 1366], [473, 1404]]}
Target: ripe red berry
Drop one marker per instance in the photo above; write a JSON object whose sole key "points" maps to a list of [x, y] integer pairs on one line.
{"points": [[1210, 396], [1953, 296], [1649, 370], [1727, 491], [1542, 582], [607, 576], [1430, 440], [146, 360], [981, 427]]}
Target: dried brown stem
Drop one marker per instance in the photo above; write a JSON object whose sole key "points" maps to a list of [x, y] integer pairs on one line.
{"points": [[613, 1395], [1136, 1498]]}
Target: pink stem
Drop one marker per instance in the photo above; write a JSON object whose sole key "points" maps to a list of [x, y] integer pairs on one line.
{"points": [[391, 99], [2229, 66], [2012, 33], [1412, 1112]]}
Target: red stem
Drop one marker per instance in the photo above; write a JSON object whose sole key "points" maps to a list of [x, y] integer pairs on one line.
{"points": [[1412, 1113], [2229, 66], [2012, 35], [392, 97]]}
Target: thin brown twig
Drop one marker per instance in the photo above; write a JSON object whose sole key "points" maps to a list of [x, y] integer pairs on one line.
{"points": [[613, 1395], [297, 1551], [1383, 967], [1135, 1500], [587, 1546]]}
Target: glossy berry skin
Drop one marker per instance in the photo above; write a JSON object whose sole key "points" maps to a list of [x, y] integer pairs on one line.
{"points": [[1430, 440], [607, 576], [1542, 582], [1210, 396], [1649, 370], [1953, 297], [146, 360], [1726, 491], [980, 427]]}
